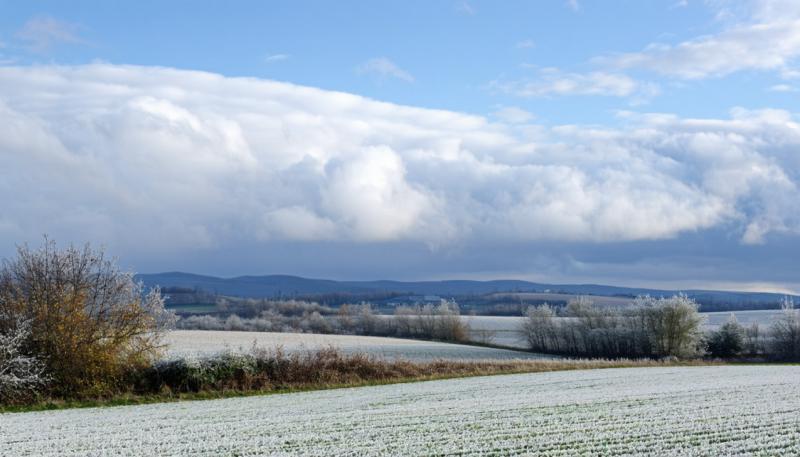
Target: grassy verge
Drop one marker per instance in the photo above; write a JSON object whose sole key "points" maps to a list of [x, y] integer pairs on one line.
{"points": [[272, 372]]}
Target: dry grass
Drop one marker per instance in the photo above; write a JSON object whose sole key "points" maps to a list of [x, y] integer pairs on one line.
{"points": [[273, 371]]}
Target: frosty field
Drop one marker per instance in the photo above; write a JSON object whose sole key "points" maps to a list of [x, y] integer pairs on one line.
{"points": [[708, 411], [203, 342]]}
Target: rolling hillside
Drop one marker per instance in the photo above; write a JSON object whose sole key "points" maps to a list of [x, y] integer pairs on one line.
{"points": [[273, 286]]}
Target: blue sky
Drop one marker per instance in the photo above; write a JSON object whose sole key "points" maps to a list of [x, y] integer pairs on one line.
{"points": [[644, 143], [455, 53]]}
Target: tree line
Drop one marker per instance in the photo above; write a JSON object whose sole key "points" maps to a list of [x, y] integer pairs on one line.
{"points": [[655, 327], [433, 322]]}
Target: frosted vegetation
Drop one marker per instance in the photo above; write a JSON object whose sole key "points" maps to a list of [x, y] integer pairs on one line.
{"points": [[193, 343], [664, 327], [643, 327], [505, 330], [73, 327], [20, 375], [439, 322], [709, 411]]}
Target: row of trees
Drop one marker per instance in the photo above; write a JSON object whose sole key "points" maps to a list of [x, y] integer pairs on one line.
{"points": [[437, 322], [780, 341], [655, 327], [650, 328]]}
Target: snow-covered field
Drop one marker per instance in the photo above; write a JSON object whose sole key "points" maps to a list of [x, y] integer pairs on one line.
{"points": [[764, 318], [687, 411], [201, 342]]}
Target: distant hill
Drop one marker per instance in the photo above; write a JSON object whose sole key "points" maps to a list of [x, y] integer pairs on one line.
{"points": [[273, 286]]}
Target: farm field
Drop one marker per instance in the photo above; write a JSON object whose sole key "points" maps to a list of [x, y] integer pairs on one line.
{"points": [[686, 411], [505, 329], [202, 342], [764, 318]]}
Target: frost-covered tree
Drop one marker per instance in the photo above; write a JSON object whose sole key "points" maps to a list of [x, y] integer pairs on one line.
{"points": [[539, 328], [674, 325], [649, 328], [786, 333], [21, 376], [234, 322]]}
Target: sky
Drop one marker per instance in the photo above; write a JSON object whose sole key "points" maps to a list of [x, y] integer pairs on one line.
{"points": [[630, 143]]}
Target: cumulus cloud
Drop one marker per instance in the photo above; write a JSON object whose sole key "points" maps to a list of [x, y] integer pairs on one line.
{"points": [[383, 67], [163, 159]]}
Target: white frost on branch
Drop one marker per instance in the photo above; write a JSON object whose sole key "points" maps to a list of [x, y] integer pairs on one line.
{"points": [[20, 375]]}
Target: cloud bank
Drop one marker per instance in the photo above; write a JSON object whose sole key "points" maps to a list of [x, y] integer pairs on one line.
{"points": [[159, 159]]}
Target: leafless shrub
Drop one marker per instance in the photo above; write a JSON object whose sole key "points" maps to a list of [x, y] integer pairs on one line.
{"points": [[89, 321]]}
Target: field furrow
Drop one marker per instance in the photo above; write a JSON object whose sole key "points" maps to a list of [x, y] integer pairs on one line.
{"points": [[702, 411]]}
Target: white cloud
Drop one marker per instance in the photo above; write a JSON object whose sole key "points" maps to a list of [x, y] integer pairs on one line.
{"points": [[513, 115], [554, 82], [526, 44], [271, 58], [789, 73], [370, 192], [383, 67], [573, 5], [159, 159], [465, 7], [769, 39], [782, 88], [41, 33]]}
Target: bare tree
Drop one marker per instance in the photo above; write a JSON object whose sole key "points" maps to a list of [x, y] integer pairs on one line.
{"points": [[753, 340], [450, 326], [346, 317], [539, 328], [405, 322]]}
